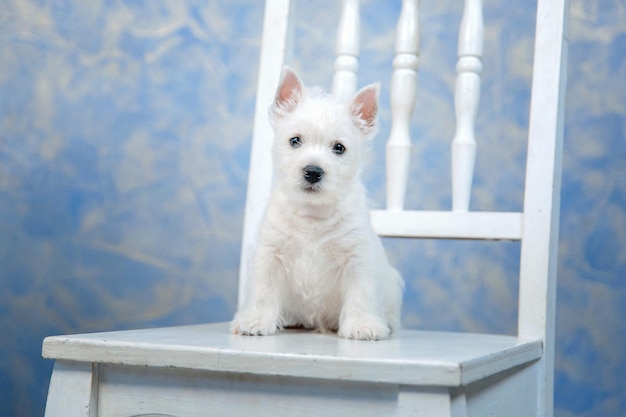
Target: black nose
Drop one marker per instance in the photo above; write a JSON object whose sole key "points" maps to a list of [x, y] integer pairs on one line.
{"points": [[313, 174]]}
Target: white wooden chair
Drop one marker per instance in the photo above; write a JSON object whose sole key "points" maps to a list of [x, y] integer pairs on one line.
{"points": [[204, 370]]}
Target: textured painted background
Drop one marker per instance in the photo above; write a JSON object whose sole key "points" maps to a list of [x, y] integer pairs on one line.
{"points": [[124, 136]]}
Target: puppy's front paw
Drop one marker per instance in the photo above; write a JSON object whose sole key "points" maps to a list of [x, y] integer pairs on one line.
{"points": [[254, 323], [364, 328]]}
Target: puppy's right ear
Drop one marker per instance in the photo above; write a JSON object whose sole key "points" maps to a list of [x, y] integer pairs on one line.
{"points": [[288, 93]]}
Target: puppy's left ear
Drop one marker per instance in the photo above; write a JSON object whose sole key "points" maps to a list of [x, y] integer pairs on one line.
{"points": [[288, 93], [364, 109]]}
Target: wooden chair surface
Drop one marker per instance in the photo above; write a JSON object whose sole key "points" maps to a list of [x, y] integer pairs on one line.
{"points": [[196, 370]]}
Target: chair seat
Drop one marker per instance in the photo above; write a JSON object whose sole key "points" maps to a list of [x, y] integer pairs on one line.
{"points": [[409, 357]]}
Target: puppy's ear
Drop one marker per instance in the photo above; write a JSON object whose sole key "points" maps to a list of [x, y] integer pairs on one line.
{"points": [[288, 93], [364, 109]]}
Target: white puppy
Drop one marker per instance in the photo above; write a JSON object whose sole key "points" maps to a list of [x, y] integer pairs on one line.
{"points": [[319, 263]]}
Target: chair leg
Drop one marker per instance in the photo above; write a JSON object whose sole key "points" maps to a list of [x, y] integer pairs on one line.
{"points": [[73, 390]]}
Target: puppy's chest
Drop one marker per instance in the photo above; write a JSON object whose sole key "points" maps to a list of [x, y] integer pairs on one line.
{"points": [[313, 260], [310, 258]]}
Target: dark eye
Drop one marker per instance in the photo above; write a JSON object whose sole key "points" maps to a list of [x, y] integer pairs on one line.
{"points": [[338, 149], [295, 142]]}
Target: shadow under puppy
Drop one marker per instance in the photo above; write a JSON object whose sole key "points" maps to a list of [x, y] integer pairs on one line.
{"points": [[318, 262]]}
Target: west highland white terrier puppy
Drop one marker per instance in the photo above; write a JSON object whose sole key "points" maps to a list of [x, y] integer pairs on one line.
{"points": [[319, 263]]}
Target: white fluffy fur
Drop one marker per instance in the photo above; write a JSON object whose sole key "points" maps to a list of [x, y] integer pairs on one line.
{"points": [[319, 263]]}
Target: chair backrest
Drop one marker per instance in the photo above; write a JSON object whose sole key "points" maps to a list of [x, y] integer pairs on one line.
{"points": [[536, 226]]}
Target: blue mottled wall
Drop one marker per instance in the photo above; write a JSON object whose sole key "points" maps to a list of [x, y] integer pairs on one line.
{"points": [[124, 136]]}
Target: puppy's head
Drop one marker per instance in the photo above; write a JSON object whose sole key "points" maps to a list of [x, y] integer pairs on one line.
{"points": [[320, 141]]}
